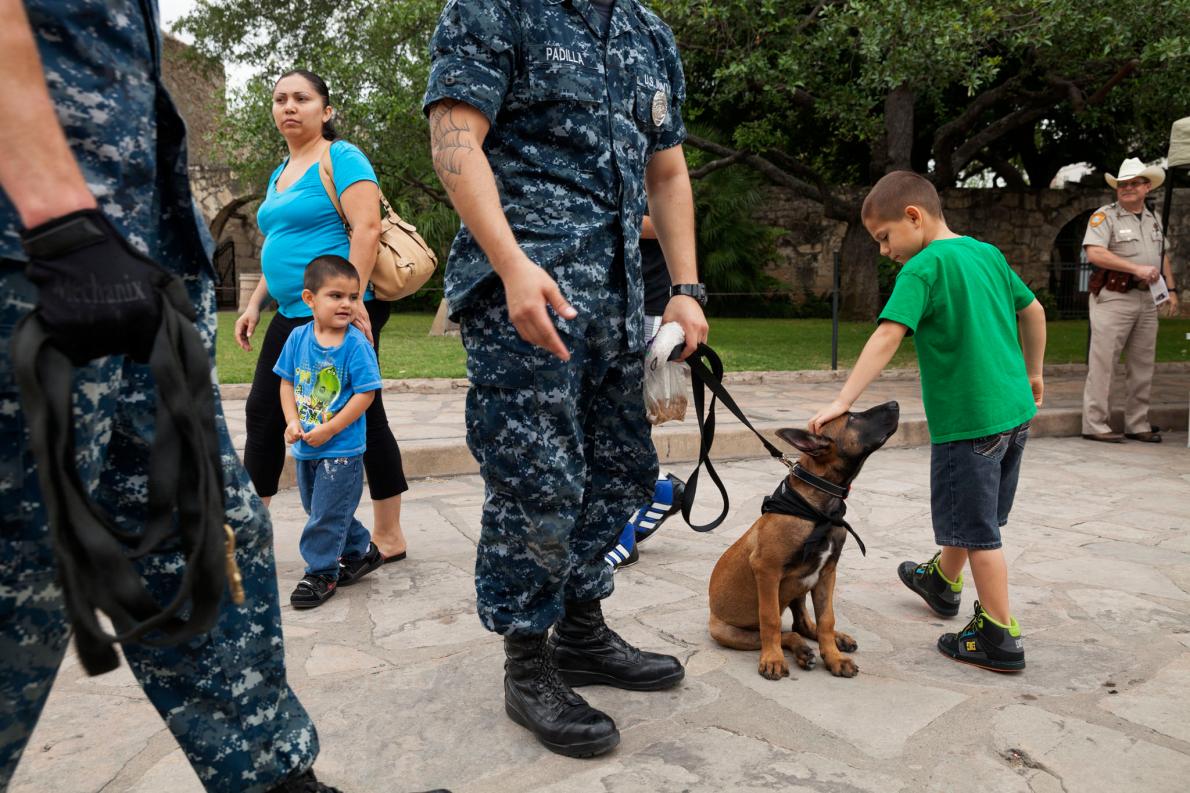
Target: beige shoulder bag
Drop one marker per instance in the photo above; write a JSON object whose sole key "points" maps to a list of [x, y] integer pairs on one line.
{"points": [[404, 262]]}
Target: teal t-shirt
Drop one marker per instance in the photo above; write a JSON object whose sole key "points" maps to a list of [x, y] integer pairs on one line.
{"points": [[960, 299], [300, 223]]}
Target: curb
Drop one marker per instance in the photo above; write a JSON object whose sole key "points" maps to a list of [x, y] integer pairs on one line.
{"points": [[681, 444]]}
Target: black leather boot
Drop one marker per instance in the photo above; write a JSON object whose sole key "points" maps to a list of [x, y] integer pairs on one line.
{"points": [[306, 782], [587, 652], [537, 700]]}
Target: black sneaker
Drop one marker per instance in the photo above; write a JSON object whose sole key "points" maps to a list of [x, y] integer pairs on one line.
{"points": [[986, 644], [926, 580], [353, 569], [312, 591]]}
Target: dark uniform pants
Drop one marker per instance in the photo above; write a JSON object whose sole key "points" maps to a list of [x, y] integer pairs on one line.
{"points": [[224, 695], [566, 457]]}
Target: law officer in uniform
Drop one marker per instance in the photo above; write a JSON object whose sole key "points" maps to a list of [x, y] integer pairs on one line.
{"points": [[549, 121], [90, 135], [1124, 240]]}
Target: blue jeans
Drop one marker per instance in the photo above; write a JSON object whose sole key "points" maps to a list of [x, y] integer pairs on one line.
{"points": [[972, 487], [330, 491]]}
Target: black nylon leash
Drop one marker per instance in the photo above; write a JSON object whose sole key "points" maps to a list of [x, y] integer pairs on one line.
{"points": [[93, 555], [706, 369]]}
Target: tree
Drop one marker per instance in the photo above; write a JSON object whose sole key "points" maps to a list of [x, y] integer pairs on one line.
{"points": [[825, 93], [375, 58]]}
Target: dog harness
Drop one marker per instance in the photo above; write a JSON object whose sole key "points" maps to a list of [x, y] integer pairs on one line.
{"points": [[787, 501]]}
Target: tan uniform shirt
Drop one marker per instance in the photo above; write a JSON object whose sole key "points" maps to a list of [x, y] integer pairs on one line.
{"points": [[1126, 235]]}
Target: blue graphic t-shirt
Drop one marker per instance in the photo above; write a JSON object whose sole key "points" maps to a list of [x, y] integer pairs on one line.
{"points": [[300, 223], [324, 379]]}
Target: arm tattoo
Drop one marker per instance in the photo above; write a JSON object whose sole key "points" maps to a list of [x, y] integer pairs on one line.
{"points": [[450, 140]]}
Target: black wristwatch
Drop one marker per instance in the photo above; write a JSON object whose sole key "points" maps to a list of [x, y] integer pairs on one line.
{"points": [[696, 291]]}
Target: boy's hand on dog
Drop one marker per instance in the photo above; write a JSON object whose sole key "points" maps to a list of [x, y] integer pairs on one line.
{"points": [[827, 414], [1037, 383], [293, 431]]}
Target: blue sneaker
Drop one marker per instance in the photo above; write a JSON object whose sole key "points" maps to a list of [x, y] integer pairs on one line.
{"points": [[625, 553], [667, 501]]}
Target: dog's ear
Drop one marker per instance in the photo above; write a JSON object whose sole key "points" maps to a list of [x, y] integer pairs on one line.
{"points": [[808, 442]]}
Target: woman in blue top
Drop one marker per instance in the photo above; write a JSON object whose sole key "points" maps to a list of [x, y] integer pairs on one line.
{"points": [[300, 223]]}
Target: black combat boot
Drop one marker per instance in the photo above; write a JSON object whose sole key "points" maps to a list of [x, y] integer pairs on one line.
{"points": [[588, 652], [306, 782], [537, 700]]}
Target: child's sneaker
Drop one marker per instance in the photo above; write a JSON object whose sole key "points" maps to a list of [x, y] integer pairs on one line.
{"points": [[667, 501], [986, 643], [926, 579], [625, 553], [312, 590]]}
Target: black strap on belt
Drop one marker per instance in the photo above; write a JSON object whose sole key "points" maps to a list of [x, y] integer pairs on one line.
{"points": [[94, 556]]}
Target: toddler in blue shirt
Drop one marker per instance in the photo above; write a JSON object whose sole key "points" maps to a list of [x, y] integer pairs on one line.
{"points": [[329, 376]]}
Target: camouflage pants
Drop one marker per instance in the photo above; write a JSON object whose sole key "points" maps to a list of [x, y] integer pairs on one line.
{"points": [[224, 696], [566, 457]]}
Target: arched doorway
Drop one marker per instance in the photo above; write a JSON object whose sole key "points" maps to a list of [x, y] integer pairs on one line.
{"points": [[1070, 273]]}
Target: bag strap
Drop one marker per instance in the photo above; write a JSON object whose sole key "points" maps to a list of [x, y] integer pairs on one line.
{"points": [[326, 173], [709, 375]]}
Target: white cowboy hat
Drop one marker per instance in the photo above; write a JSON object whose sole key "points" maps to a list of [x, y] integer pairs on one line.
{"points": [[1132, 168]]}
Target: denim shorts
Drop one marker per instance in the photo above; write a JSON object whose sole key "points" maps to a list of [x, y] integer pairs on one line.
{"points": [[972, 485]]}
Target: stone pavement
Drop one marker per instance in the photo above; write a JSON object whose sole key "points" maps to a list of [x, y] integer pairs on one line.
{"points": [[427, 415], [405, 686]]}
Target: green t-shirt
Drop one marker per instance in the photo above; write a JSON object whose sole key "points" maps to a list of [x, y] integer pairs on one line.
{"points": [[960, 298]]}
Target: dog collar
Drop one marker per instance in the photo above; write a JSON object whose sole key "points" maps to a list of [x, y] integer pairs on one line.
{"points": [[815, 481]]}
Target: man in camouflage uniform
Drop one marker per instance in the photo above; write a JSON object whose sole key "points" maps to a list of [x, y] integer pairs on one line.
{"points": [[548, 123], [224, 695], [1124, 239]]}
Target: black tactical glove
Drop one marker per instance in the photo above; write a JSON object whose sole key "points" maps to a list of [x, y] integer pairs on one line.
{"points": [[99, 296]]}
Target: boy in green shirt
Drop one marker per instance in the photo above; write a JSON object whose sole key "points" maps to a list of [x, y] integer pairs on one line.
{"points": [[965, 305]]}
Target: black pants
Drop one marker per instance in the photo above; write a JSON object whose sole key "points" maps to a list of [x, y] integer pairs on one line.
{"points": [[264, 448]]}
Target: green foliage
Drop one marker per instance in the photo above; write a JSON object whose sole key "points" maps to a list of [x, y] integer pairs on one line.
{"points": [[810, 80], [375, 58]]}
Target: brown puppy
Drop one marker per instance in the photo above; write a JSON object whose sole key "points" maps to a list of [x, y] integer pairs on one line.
{"points": [[770, 568]]}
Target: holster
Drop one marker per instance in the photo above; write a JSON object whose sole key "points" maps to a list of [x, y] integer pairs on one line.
{"points": [[1111, 280]]}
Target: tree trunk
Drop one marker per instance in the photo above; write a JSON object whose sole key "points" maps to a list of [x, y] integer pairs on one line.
{"points": [[861, 288], [893, 150]]}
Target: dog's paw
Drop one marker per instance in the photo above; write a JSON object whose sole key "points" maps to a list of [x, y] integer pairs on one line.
{"points": [[773, 668], [845, 643], [843, 667], [805, 657]]}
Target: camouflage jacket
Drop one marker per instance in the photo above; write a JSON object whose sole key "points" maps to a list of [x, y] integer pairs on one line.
{"points": [[102, 63], [575, 119]]}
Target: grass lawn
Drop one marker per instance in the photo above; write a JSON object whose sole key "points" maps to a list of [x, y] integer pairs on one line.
{"points": [[744, 344]]}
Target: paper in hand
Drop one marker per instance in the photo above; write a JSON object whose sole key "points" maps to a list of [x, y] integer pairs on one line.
{"points": [[1159, 290]]}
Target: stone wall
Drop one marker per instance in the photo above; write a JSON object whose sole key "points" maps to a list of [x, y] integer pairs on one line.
{"points": [[197, 86], [1025, 226]]}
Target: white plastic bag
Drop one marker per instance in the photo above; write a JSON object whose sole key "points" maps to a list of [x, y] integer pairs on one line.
{"points": [[665, 380]]}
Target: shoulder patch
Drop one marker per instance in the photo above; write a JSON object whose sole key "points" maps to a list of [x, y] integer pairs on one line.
{"points": [[1096, 219]]}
